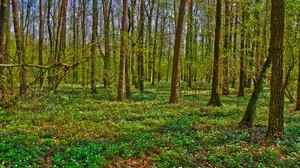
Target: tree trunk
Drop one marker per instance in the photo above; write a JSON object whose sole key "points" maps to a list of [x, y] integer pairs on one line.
{"points": [[247, 120], [276, 52], [225, 87], [20, 47], [107, 55], [4, 96], [242, 59], [121, 84], [215, 99], [141, 47], [298, 88], [93, 47], [189, 43], [41, 39], [177, 47]]}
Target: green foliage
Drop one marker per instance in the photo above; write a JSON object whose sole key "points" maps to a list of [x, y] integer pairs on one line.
{"points": [[67, 130]]}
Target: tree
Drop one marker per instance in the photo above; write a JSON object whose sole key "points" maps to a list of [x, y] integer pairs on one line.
{"points": [[276, 52], [225, 87], [121, 83], [242, 57], [20, 47], [4, 6], [298, 87], [107, 55], [93, 47], [215, 99], [189, 43], [141, 47], [41, 38], [177, 48]]}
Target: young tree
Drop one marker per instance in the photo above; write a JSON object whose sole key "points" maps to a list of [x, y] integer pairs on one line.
{"points": [[177, 48], [93, 47], [107, 55], [215, 99], [141, 46], [121, 83], [276, 52], [41, 38]]}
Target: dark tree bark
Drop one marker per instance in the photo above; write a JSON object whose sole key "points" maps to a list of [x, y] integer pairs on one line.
{"points": [[248, 117], [298, 87], [215, 99], [20, 47], [225, 87], [177, 47], [276, 52], [121, 83], [93, 47], [141, 47], [4, 97]]}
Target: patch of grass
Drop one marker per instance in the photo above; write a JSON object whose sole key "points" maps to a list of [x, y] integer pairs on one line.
{"points": [[69, 129]]}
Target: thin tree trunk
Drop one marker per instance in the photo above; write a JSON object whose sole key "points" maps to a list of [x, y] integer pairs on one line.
{"points": [[41, 39], [242, 59], [225, 87], [107, 55], [215, 99], [177, 48], [93, 47], [141, 47], [189, 43]]}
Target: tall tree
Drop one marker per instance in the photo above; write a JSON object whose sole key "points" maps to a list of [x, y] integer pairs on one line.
{"points": [[93, 47], [276, 52], [141, 46], [121, 83], [189, 43], [4, 6], [298, 86], [107, 55], [215, 99], [242, 57], [41, 38], [177, 48], [225, 87], [20, 47]]}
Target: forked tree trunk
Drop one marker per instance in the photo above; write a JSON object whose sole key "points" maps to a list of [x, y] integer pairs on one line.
{"points": [[276, 52], [215, 99], [177, 48]]}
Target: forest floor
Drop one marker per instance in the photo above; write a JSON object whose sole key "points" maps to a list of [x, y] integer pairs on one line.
{"points": [[70, 128]]}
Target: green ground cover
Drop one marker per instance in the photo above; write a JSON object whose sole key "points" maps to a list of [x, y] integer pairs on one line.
{"points": [[70, 129]]}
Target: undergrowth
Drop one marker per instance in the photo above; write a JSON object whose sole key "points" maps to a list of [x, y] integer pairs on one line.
{"points": [[70, 129]]}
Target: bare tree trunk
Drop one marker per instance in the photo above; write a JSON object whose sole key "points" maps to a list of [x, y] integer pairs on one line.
{"points": [[141, 47], [215, 99], [121, 84], [242, 59], [276, 51], [189, 43], [225, 87], [4, 96], [93, 47], [107, 55], [20, 47], [41, 39], [177, 48]]}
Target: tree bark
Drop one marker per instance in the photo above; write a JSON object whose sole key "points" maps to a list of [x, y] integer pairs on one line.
{"points": [[242, 59], [225, 87], [248, 117], [215, 99], [20, 47], [276, 52], [121, 83], [141, 47], [107, 55], [93, 47], [41, 39], [177, 48]]}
